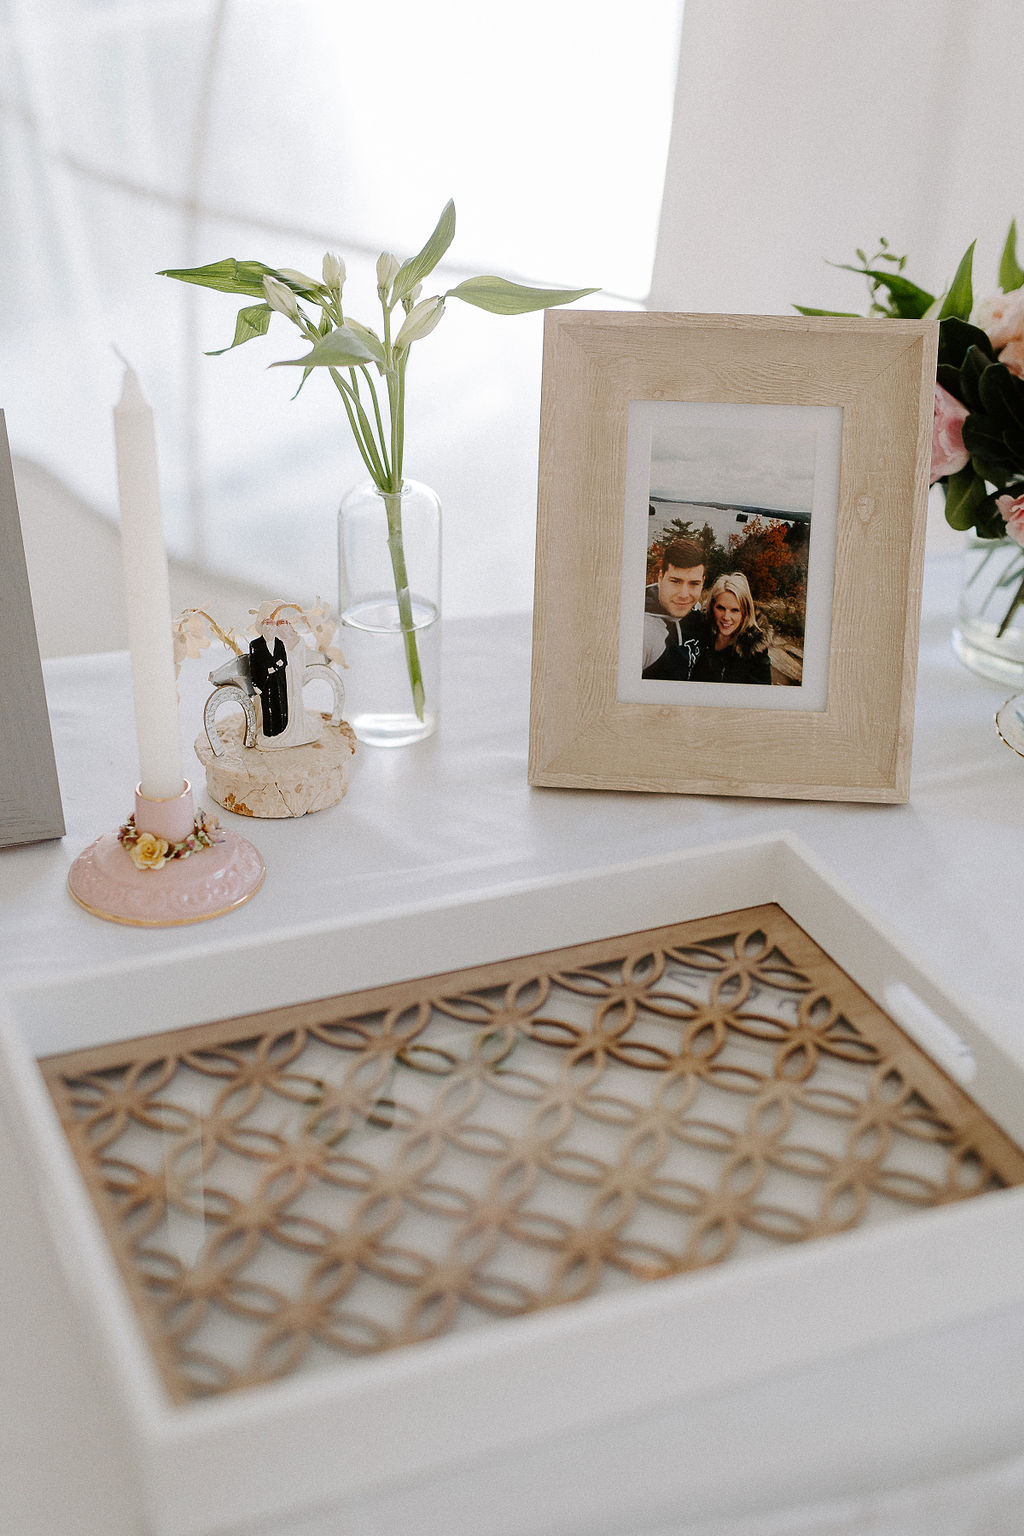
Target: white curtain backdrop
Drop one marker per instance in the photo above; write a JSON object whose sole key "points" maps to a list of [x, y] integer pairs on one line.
{"points": [[806, 128], [142, 134]]}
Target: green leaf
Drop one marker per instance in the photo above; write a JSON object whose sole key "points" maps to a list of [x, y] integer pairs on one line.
{"points": [[423, 263], [251, 322], [369, 339], [340, 348], [1002, 395], [989, 522], [984, 442], [1011, 275], [971, 370], [949, 378], [959, 301], [323, 326], [500, 297], [844, 314], [956, 337], [227, 276], [909, 301], [964, 495]]}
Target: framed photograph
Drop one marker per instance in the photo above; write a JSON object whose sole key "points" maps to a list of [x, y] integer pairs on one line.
{"points": [[30, 807], [730, 538]]}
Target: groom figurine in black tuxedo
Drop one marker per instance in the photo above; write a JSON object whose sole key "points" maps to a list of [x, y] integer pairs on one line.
{"points": [[268, 670]]}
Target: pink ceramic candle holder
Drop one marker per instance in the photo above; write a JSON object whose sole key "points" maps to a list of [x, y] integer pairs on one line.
{"points": [[165, 866]]}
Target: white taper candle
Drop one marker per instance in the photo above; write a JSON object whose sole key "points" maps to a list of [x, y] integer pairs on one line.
{"points": [[147, 596]]}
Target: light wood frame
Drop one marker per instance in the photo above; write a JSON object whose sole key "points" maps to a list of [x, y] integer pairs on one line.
{"points": [[30, 807], [881, 373]]}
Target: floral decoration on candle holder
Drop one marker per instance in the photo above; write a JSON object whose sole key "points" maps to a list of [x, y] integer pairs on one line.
{"points": [[277, 758], [147, 851]]}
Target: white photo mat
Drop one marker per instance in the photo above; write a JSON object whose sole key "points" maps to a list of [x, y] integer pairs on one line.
{"points": [[682, 420]]}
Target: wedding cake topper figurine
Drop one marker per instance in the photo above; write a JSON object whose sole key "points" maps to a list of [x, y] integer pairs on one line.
{"points": [[281, 759]]}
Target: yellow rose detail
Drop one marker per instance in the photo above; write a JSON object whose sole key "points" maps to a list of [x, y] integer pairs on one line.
{"points": [[149, 852]]}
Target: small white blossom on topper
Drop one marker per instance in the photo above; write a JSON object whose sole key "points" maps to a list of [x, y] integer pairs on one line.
{"points": [[193, 630]]}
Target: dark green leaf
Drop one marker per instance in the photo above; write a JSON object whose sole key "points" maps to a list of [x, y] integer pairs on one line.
{"points": [[997, 475], [964, 495], [1011, 275], [340, 348], [1002, 395], [844, 314], [251, 322], [983, 440], [423, 263], [227, 276], [956, 336], [949, 378], [501, 297], [971, 370], [989, 522], [959, 301], [908, 300]]}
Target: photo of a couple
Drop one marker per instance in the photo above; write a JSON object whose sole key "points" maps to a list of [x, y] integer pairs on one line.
{"points": [[727, 545], [717, 640]]}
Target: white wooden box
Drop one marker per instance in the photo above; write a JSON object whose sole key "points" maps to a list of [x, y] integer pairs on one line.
{"points": [[832, 1364]]}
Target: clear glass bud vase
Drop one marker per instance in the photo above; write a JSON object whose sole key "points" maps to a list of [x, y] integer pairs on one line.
{"points": [[389, 602], [988, 635]]}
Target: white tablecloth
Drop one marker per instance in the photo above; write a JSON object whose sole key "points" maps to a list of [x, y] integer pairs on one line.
{"points": [[453, 814]]}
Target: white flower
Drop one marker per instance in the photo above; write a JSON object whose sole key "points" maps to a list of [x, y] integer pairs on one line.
{"points": [[388, 267], [419, 322], [281, 298], [333, 271], [298, 279]]}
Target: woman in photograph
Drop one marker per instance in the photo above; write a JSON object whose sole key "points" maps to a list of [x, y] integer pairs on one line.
{"points": [[737, 647]]}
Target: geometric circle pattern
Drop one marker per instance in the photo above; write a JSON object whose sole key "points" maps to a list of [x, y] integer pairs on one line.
{"points": [[368, 1172]]}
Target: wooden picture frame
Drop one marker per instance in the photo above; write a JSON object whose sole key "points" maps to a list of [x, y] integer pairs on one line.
{"points": [[30, 806], [837, 412]]}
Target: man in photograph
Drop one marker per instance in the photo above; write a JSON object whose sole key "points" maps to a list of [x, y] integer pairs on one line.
{"points": [[673, 627]]}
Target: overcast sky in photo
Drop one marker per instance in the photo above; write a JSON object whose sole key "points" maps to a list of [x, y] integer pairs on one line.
{"points": [[751, 466]]}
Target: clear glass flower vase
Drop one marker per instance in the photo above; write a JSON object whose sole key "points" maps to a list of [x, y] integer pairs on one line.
{"points": [[988, 636], [389, 603]]}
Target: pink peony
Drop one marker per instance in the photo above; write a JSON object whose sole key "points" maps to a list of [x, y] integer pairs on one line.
{"points": [[1002, 317], [948, 451], [1012, 510], [1013, 356]]}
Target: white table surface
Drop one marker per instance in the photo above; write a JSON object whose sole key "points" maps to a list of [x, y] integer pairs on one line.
{"points": [[455, 813]]}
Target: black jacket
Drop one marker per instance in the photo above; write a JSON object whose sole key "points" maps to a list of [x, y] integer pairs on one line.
{"points": [[745, 661]]}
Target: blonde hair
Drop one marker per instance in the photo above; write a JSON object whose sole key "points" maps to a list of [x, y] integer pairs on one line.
{"points": [[736, 583]]}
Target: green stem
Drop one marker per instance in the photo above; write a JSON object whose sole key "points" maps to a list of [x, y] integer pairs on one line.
{"points": [[1018, 598], [393, 508], [392, 494], [362, 432], [368, 376]]}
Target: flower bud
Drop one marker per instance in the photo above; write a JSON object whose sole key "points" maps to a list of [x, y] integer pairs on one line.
{"points": [[298, 279], [388, 267], [419, 322], [281, 298], [410, 299], [333, 271]]}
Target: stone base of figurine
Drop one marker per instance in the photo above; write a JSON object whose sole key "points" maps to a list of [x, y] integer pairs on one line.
{"points": [[274, 783]]}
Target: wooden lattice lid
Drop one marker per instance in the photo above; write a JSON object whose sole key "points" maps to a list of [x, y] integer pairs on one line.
{"points": [[293, 1188]]}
